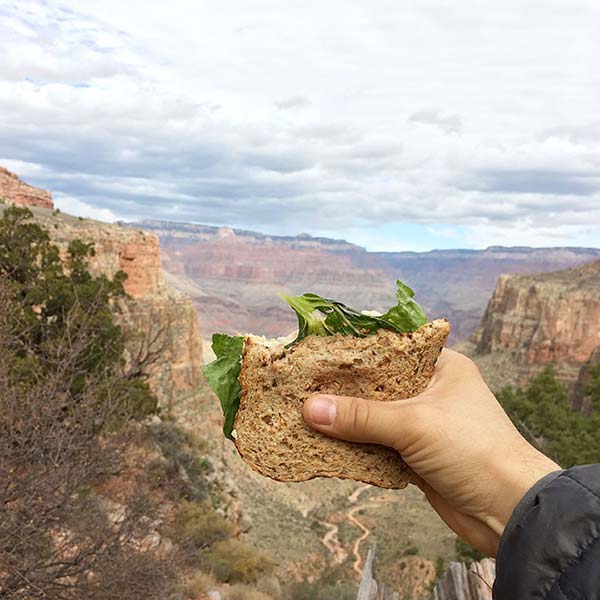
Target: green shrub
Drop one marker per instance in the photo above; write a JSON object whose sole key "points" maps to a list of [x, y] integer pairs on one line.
{"points": [[542, 413], [440, 566], [234, 560], [592, 389], [331, 583], [198, 526], [183, 472], [466, 553]]}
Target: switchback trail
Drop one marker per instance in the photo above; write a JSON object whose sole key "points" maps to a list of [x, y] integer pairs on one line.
{"points": [[330, 539], [333, 544], [359, 540]]}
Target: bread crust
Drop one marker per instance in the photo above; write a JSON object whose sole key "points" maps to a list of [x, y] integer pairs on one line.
{"points": [[270, 433]]}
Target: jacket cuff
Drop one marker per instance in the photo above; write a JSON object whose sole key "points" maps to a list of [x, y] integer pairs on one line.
{"points": [[524, 505]]}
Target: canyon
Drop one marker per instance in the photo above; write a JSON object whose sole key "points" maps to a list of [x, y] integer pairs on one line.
{"points": [[233, 275], [186, 281]]}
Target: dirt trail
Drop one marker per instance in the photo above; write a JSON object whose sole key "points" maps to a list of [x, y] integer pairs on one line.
{"points": [[356, 547], [330, 539], [333, 544], [353, 497]]}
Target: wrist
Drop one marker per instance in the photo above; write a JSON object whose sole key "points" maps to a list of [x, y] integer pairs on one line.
{"points": [[516, 475]]}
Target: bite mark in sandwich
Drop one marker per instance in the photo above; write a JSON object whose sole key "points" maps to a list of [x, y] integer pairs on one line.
{"points": [[262, 385]]}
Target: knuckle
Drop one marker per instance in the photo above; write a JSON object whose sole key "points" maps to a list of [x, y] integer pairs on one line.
{"points": [[464, 365], [359, 417]]}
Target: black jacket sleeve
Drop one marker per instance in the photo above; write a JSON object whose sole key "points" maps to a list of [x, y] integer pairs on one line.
{"points": [[550, 549]]}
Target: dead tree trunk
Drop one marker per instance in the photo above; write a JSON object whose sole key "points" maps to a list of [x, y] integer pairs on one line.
{"points": [[462, 583], [369, 588]]}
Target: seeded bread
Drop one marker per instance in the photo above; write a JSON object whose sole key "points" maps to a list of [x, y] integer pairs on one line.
{"points": [[270, 433]]}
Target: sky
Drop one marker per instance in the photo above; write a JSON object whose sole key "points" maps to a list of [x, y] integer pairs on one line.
{"points": [[397, 125]]}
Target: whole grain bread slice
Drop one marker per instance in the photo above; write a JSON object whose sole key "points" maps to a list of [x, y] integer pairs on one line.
{"points": [[270, 433]]}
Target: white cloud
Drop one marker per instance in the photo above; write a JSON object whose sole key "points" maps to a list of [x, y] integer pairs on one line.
{"points": [[314, 116], [292, 102], [74, 206], [447, 123]]}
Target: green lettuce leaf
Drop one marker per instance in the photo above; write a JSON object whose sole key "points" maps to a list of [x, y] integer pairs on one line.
{"points": [[223, 373], [316, 316], [322, 316]]}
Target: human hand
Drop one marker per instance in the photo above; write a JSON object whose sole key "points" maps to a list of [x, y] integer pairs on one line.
{"points": [[468, 458]]}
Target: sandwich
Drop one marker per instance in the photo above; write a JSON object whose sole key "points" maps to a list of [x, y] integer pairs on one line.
{"points": [[262, 385]]}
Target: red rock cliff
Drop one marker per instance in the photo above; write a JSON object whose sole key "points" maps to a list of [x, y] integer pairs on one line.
{"points": [[541, 318], [155, 311], [12, 189], [161, 322]]}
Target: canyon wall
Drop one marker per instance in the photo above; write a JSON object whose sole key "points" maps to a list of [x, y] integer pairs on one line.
{"points": [[161, 323], [543, 318], [233, 275], [12, 189], [457, 284]]}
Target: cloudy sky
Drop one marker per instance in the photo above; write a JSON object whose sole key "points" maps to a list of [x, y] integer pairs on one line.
{"points": [[393, 124]]}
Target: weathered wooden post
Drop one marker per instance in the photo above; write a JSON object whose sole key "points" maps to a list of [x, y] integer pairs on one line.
{"points": [[369, 588], [462, 583]]}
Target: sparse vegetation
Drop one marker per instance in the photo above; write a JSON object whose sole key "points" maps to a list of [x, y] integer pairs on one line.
{"points": [[198, 526], [233, 560], [333, 582], [65, 406], [181, 471], [207, 541], [542, 413], [466, 553]]}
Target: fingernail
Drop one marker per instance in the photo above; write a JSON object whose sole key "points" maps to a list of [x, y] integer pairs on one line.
{"points": [[322, 410]]}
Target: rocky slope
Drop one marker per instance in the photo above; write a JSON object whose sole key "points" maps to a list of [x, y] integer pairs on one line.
{"points": [[12, 189], [233, 275], [543, 318]]}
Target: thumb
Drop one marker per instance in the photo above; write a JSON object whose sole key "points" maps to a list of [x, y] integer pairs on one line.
{"points": [[358, 420]]}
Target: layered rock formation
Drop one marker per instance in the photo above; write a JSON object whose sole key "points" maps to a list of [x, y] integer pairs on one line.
{"points": [[233, 275], [544, 318], [458, 283], [13, 190], [161, 323]]}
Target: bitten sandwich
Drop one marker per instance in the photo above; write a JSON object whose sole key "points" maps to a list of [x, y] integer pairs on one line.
{"points": [[262, 385]]}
